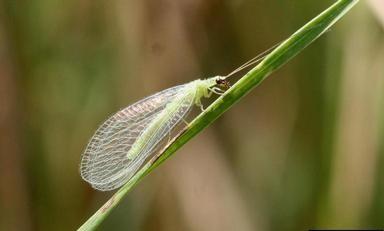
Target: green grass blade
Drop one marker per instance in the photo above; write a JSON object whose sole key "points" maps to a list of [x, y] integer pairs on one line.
{"points": [[279, 56]]}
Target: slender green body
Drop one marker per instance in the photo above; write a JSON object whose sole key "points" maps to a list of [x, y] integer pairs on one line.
{"points": [[154, 127], [191, 94]]}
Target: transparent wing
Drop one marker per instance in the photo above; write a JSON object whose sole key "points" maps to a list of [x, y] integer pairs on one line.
{"points": [[116, 180], [104, 163], [173, 118]]}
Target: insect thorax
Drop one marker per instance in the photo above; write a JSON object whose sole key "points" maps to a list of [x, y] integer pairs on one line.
{"points": [[197, 89], [202, 87]]}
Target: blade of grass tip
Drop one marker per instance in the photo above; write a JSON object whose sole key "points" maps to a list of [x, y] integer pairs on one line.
{"points": [[279, 56]]}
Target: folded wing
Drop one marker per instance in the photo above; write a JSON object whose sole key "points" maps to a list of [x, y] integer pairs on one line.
{"points": [[104, 163]]}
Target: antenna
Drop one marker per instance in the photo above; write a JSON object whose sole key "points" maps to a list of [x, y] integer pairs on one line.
{"points": [[253, 61], [260, 57]]}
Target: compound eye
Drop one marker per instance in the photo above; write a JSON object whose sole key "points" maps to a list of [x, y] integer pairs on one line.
{"points": [[222, 82]]}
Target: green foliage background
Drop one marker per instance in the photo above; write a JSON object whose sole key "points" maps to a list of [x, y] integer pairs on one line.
{"points": [[304, 150]]}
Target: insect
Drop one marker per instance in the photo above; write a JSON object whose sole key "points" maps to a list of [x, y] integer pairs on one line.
{"points": [[128, 138]]}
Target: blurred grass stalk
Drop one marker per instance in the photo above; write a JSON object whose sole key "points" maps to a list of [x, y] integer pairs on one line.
{"points": [[357, 145], [279, 56]]}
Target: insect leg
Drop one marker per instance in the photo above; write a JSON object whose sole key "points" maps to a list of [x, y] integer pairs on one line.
{"points": [[201, 106], [216, 90]]}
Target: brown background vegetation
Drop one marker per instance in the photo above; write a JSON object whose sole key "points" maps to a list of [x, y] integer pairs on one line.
{"points": [[304, 150]]}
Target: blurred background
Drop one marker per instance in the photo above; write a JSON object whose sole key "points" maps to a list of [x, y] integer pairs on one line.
{"points": [[303, 150]]}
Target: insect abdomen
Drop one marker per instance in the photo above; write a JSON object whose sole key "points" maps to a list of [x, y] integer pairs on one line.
{"points": [[155, 126]]}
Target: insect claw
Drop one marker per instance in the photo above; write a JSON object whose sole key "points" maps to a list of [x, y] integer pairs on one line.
{"points": [[202, 107]]}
